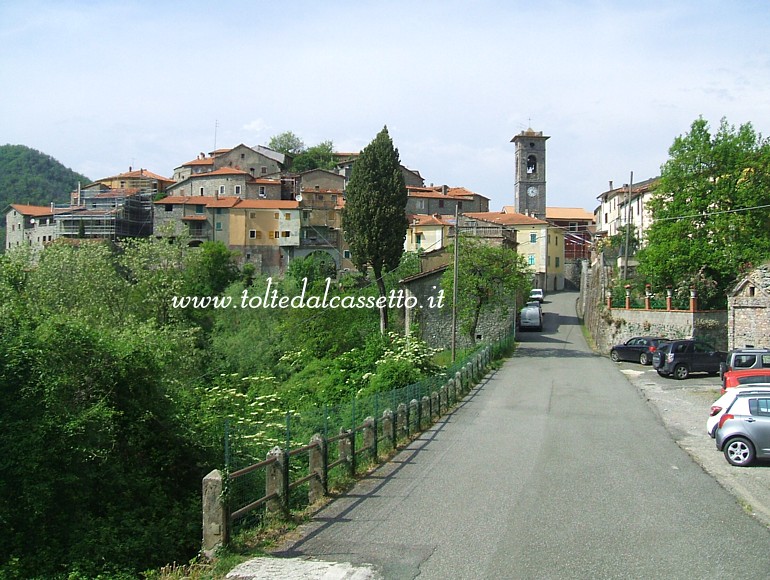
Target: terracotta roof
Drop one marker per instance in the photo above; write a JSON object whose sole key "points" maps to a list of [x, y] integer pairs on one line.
{"points": [[431, 220], [138, 174], [505, 219], [313, 190], [223, 202], [194, 218], [462, 192], [32, 210], [268, 204], [204, 161], [568, 213], [222, 171]]}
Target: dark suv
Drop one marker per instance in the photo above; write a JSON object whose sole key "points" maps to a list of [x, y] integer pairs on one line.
{"points": [[682, 357]]}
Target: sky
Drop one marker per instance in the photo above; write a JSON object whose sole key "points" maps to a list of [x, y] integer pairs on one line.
{"points": [[106, 85]]}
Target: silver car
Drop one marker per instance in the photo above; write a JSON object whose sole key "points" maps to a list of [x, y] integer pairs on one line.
{"points": [[743, 431], [531, 316]]}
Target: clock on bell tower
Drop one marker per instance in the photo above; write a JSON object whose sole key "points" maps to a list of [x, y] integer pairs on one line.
{"points": [[529, 187]]}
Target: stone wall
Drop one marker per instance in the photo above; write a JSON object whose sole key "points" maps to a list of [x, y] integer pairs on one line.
{"points": [[611, 326]]}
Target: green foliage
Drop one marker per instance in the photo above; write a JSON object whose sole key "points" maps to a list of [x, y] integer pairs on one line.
{"points": [[30, 177], [316, 267], [319, 156], [287, 143], [489, 278], [711, 219], [374, 218]]}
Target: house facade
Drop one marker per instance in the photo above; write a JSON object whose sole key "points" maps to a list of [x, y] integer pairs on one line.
{"points": [[748, 310], [621, 205]]}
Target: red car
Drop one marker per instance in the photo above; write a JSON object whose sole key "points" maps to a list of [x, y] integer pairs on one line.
{"points": [[742, 377]]}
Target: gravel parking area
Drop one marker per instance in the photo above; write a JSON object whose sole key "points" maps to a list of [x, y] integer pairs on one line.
{"points": [[683, 407]]}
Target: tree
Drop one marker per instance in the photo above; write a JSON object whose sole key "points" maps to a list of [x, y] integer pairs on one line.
{"points": [[319, 156], [287, 143], [710, 211], [374, 218], [489, 278]]}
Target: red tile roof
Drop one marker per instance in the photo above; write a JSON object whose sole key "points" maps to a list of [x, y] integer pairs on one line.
{"points": [[506, 219], [32, 210]]}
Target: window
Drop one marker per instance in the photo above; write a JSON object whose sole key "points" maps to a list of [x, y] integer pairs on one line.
{"points": [[253, 234], [420, 204], [573, 226], [334, 198], [751, 291], [744, 361], [219, 211], [346, 254], [221, 190], [759, 407], [219, 226], [264, 170], [199, 209], [169, 207], [285, 234], [276, 234], [262, 191], [253, 215], [418, 240], [306, 214], [557, 261], [532, 238], [259, 235], [287, 216], [277, 215], [531, 164], [531, 259], [441, 203], [459, 205], [201, 191], [237, 190]]}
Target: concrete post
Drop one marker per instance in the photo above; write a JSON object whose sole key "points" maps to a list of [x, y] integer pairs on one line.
{"points": [[435, 404], [443, 395], [318, 466], [215, 516], [425, 409], [459, 384], [274, 481], [452, 391], [414, 411]]}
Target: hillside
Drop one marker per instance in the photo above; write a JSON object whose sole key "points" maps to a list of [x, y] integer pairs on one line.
{"points": [[31, 177]]}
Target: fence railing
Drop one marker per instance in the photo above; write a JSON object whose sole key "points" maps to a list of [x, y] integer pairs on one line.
{"points": [[291, 476]]}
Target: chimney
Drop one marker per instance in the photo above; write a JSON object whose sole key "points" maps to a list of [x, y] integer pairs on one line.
{"points": [[610, 185], [444, 190]]}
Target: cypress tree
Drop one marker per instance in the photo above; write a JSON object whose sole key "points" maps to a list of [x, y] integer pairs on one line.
{"points": [[374, 218]]}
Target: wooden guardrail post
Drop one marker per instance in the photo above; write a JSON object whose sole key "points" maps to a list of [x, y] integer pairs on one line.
{"points": [[215, 516], [274, 481], [318, 464]]}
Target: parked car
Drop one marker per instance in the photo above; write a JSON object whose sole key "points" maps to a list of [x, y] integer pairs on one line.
{"points": [[738, 378], [637, 349], [745, 358], [743, 431], [531, 316], [720, 406], [537, 294], [682, 357]]}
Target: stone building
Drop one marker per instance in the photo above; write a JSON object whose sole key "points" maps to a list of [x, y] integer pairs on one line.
{"points": [[748, 310]]}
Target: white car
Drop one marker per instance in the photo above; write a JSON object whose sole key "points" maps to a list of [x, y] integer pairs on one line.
{"points": [[723, 403], [537, 294]]}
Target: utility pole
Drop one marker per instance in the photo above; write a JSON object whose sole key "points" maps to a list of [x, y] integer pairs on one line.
{"points": [[454, 283], [628, 226]]}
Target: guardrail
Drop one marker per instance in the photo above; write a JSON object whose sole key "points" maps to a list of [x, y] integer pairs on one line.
{"points": [[312, 463]]}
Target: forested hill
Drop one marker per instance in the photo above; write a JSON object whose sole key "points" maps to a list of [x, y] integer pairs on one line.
{"points": [[31, 177]]}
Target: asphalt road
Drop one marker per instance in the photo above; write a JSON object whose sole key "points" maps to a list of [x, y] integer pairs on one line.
{"points": [[556, 466]]}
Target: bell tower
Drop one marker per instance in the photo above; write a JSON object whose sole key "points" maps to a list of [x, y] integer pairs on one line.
{"points": [[529, 187]]}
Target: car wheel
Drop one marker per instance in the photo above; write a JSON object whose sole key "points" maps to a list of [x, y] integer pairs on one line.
{"points": [[614, 356], [739, 452], [644, 359], [681, 372]]}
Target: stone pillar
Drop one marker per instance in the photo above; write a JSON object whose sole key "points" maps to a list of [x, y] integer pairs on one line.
{"points": [[628, 297], [370, 436], [274, 481], [414, 411], [459, 384], [693, 300], [669, 293], [401, 420], [424, 410], [435, 406], [647, 296], [215, 516], [389, 426], [443, 394], [318, 466]]}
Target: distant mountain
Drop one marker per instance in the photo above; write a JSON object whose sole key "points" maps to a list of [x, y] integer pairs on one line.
{"points": [[31, 177]]}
